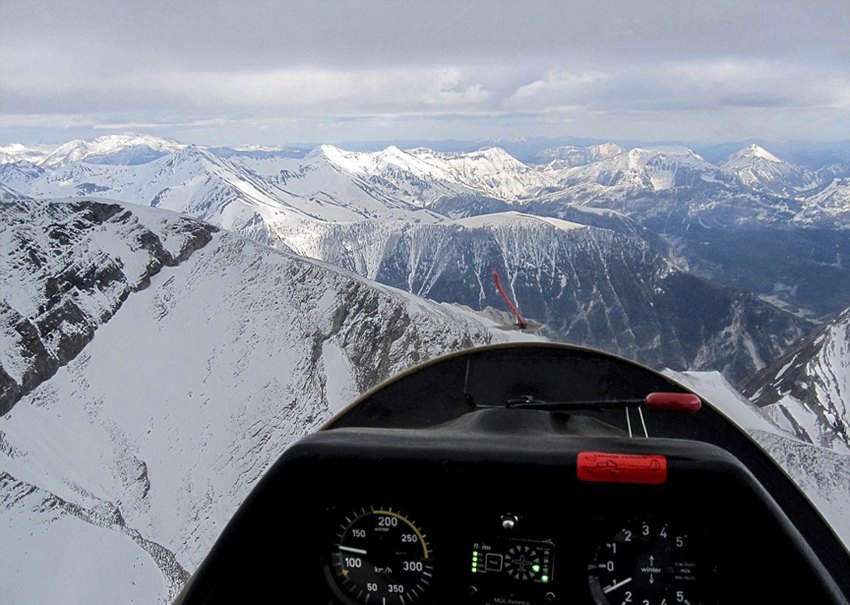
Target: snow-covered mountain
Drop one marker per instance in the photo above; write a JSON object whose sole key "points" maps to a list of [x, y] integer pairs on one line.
{"points": [[67, 267], [7, 194], [19, 175], [120, 150], [491, 172], [570, 156], [589, 285], [258, 196], [9, 154], [333, 184], [418, 177], [637, 170], [720, 227], [118, 472], [833, 199], [758, 168], [807, 391], [120, 323]]}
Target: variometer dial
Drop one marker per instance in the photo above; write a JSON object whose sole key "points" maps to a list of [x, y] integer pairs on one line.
{"points": [[382, 557], [652, 562]]}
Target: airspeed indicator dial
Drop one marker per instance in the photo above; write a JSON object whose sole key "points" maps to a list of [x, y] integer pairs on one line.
{"points": [[381, 556]]}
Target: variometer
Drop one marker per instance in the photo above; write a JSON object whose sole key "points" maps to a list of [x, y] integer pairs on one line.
{"points": [[652, 562]]}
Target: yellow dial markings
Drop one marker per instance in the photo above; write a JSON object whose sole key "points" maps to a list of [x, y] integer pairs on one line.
{"points": [[409, 524]]}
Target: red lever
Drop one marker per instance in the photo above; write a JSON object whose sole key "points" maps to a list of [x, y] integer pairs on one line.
{"points": [[686, 403]]}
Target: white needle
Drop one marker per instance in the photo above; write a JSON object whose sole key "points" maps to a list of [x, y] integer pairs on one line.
{"points": [[358, 551], [608, 589]]}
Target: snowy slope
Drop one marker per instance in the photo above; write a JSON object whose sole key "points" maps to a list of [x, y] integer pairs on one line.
{"points": [[67, 268], [140, 448], [256, 196], [333, 185], [491, 171], [122, 149], [641, 169], [19, 175], [64, 554], [808, 389], [822, 473], [828, 204], [9, 154], [7, 194]]}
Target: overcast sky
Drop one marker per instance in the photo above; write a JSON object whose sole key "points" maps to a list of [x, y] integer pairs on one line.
{"points": [[216, 72]]}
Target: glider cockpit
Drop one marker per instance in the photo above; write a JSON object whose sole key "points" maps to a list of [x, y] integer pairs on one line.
{"points": [[507, 475]]}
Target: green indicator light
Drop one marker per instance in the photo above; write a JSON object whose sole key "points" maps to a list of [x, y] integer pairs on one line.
{"points": [[535, 568], [474, 570], [544, 579]]}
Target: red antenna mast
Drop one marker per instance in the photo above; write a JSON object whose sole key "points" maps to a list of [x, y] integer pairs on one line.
{"points": [[519, 320]]}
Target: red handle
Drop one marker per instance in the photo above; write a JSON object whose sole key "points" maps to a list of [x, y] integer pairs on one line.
{"points": [[686, 403]]}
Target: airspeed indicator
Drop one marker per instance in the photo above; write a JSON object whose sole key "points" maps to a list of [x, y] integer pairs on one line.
{"points": [[381, 556]]}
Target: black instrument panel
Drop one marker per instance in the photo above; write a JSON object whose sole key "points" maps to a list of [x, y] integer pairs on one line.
{"points": [[500, 533], [429, 490], [363, 516], [538, 554]]}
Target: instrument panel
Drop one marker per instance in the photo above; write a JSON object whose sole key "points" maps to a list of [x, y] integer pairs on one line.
{"points": [[395, 517], [488, 526], [435, 489], [384, 556]]}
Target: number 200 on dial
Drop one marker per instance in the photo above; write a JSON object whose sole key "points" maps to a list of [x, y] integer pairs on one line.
{"points": [[382, 557]]}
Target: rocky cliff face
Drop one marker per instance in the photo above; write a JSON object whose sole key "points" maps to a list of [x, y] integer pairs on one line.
{"points": [[123, 467], [807, 390], [589, 285], [61, 283]]}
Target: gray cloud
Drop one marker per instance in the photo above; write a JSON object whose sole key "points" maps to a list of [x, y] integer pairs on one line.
{"points": [[283, 68]]}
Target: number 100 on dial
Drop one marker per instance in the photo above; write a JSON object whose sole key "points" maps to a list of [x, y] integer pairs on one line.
{"points": [[381, 557]]}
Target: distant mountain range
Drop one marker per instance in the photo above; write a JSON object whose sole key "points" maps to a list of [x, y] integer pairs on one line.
{"points": [[418, 178], [676, 243]]}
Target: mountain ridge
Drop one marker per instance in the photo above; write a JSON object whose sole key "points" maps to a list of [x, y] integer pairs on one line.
{"points": [[807, 389], [693, 213], [125, 464], [62, 296]]}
